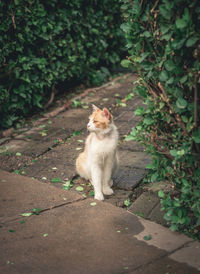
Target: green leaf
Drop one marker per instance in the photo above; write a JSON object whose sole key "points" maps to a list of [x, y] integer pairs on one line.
{"points": [[181, 103], [125, 63], [161, 194], [11, 230], [139, 111], [56, 180], [45, 235], [169, 65], [163, 76], [127, 202], [196, 136], [181, 23], [18, 154], [173, 152], [91, 193], [148, 121], [130, 138], [26, 214], [183, 79], [36, 211], [93, 204], [147, 237], [191, 41], [79, 188]]}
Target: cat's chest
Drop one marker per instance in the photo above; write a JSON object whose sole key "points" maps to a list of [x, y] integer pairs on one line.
{"points": [[104, 146]]}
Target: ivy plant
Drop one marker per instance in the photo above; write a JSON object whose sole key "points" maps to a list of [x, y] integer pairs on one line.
{"points": [[163, 44]]}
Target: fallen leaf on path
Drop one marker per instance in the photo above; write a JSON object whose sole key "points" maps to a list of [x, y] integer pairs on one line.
{"points": [[93, 204], [45, 235], [79, 188], [56, 180], [147, 237], [27, 214]]}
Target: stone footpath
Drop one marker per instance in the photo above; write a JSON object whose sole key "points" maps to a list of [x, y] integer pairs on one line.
{"points": [[48, 151], [49, 221]]}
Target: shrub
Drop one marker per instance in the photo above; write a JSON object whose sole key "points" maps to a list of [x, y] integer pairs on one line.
{"points": [[45, 42], [163, 44]]}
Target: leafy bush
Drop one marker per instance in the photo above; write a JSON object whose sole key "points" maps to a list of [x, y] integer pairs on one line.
{"points": [[163, 44], [45, 42]]}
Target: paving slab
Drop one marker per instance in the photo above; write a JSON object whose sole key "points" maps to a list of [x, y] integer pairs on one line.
{"points": [[186, 254], [59, 161], [10, 161], [162, 237], [165, 266], [157, 215], [20, 194], [128, 177], [137, 159], [144, 204], [78, 238]]}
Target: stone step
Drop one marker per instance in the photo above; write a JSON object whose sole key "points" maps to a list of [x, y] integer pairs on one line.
{"points": [[148, 206]]}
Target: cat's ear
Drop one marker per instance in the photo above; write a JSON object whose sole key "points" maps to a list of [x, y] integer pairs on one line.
{"points": [[106, 113], [95, 108]]}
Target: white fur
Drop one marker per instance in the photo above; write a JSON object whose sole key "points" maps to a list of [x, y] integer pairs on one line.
{"points": [[101, 158]]}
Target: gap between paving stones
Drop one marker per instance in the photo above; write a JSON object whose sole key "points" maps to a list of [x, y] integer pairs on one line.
{"points": [[11, 219], [157, 259]]}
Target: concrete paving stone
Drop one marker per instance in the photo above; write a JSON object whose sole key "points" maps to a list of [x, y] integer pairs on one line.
{"points": [[131, 146], [11, 161], [165, 266], [133, 159], [186, 255], [128, 178], [124, 128], [80, 238], [20, 194], [157, 215], [144, 204], [62, 158], [73, 119], [161, 237]]}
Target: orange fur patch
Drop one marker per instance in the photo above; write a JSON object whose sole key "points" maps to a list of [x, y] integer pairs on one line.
{"points": [[100, 119]]}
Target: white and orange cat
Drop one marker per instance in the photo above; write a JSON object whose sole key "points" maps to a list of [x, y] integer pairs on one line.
{"points": [[99, 160]]}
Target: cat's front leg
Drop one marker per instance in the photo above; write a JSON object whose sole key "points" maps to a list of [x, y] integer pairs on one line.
{"points": [[96, 182], [107, 181]]}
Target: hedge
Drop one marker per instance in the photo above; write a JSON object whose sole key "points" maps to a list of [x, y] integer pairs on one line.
{"points": [[43, 43], [163, 43]]}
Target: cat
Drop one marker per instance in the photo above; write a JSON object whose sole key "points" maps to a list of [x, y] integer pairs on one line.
{"points": [[99, 160]]}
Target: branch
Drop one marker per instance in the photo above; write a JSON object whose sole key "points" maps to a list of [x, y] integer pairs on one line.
{"points": [[13, 19], [195, 102], [177, 116]]}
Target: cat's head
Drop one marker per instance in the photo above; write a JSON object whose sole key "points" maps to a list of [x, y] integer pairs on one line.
{"points": [[100, 120]]}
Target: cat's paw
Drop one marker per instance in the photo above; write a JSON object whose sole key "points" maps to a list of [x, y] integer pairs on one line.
{"points": [[111, 182], [107, 191], [99, 196]]}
